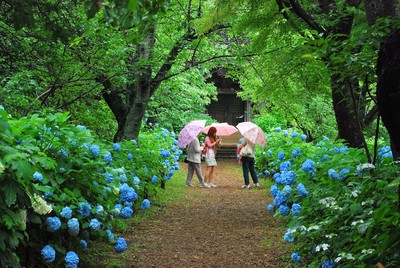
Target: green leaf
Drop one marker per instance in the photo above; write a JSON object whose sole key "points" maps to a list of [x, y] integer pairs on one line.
{"points": [[10, 194], [46, 162], [355, 208]]}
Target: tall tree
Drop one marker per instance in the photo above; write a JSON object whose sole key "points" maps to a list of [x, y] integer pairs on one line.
{"points": [[388, 71]]}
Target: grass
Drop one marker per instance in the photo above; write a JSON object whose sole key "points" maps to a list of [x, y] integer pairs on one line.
{"points": [[101, 254]]}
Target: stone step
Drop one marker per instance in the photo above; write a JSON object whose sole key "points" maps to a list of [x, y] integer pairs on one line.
{"points": [[226, 152]]}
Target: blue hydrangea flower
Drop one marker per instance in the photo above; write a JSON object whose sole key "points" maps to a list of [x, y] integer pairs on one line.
{"points": [[385, 152], [94, 224], [66, 213], [343, 173], [84, 209], [277, 178], [123, 178], [48, 254], [284, 210], [274, 190], [336, 150], [288, 177], [295, 134], [53, 224], [110, 235], [267, 173], [73, 226], [126, 212], [286, 191], [94, 150], [108, 158], [120, 245], [279, 199], [285, 166], [154, 179], [288, 237], [109, 177], [270, 152], [145, 204], [64, 153], [270, 207], [81, 127], [165, 153], [281, 156], [99, 209], [302, 190], [296, 152], [127, 193], [285, 133], [308, 166], [296, 208], [136, 181], [117, 147], [333, 174], [344, 149], [83, 244], [278, 129], [296, 257], [38, 176], [129, 156], [303, 137], [71, 260], [328, 264]]}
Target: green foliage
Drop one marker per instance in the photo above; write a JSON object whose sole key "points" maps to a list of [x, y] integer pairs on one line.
{"points": [[47, 164], [350, 207]]}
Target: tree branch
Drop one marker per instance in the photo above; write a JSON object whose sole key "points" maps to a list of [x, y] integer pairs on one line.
{"points": [[306, 17]]}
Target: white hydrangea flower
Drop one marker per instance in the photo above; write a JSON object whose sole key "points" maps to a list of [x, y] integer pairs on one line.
{"points": [[355, 193], [322, 246], [357, 222], [343, 255], [40, 206], [365, 166], [330, 235], [313, 228], [367, 251], [328, 201]]}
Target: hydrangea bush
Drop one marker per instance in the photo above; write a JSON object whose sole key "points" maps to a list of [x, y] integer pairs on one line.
{"points": [[340, 210], [61, 187]]}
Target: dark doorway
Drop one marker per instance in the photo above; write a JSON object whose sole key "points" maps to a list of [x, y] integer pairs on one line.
{"points": [[229, 107]]}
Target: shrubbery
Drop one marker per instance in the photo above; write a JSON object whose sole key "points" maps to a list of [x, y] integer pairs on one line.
{"points": [[340, 210], [61, 187]]}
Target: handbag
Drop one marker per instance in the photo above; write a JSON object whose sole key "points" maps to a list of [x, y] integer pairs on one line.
{"points": [[246, 150]]}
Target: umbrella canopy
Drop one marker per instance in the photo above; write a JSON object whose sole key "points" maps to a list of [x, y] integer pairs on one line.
{"points": [[223, 129], [252, 132], [190, 132]]}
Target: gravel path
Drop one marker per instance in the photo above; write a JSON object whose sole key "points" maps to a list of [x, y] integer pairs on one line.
{"points": [[211, 227]]}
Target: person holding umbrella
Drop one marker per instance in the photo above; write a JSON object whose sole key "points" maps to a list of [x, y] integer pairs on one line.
{"points": [[189, 136], [211, 143], [246, 150], [193, 155], [253, 135]]}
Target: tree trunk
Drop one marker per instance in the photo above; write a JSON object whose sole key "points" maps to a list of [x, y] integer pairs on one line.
{"points": [[347, 115], [388, 89], [376, 9]]}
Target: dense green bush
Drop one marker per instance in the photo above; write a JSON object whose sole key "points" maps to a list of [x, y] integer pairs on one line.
{"points": [[340, 210], [61, 187]]}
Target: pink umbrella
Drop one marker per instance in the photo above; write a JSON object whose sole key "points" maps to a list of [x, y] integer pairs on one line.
{"points": [[252, 132], [190, 132], [223, 129]]}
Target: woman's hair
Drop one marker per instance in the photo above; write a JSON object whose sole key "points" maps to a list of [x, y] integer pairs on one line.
{"points": [[212, 133]]}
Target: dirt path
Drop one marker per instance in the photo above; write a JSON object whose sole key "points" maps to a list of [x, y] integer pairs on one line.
{"points": [[211, 227]]}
